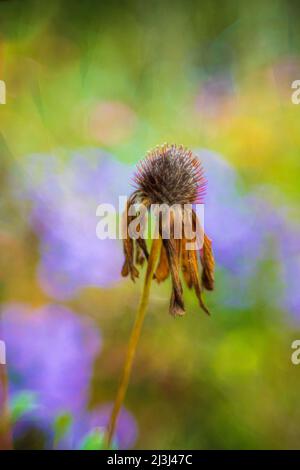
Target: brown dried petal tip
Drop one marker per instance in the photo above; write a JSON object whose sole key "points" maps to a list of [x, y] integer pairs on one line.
{"points": [[162, 270], [176, 302], [208, 264]]}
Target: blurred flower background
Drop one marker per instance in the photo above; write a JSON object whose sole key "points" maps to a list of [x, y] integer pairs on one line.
{"points": [[90, 86]]}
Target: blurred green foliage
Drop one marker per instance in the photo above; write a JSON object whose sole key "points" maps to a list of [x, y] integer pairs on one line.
{"points": [[198, 382]]}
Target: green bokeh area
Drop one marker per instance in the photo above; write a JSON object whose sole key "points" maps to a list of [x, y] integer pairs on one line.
{"points": [[124, 77]]}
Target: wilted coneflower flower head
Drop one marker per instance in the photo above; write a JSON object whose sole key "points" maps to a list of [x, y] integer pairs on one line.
{"points": [[171, 175]]}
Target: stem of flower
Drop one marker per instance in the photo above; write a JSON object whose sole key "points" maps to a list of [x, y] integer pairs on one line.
{"points": [[133, 341]]}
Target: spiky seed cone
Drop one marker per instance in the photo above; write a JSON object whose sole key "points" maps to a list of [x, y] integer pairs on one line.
{"points": [[170, 174]]}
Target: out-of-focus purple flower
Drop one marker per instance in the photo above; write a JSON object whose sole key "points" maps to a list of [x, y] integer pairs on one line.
{"points": [[231, 222], [126, 428], [244, 226], [290, 278], [64, 195], [50, 351], [288, 249], [281, 238]]}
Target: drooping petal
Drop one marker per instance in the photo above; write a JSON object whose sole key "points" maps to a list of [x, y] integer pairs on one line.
{"points": [[185, 265], [128, 246], [190, 271], [208, 264], [176, 303], [162, 270]]}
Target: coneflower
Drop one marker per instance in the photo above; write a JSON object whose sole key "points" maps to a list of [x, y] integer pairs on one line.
{"points": [[171, 175]]}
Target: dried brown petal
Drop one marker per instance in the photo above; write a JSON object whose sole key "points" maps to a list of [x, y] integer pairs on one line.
{"points": [[185, 267], [128, 266], [142, 248], [191, 273], [176, 303], [128, 246], [196, 281], [208, 264], [139, 255], [162, 270]]}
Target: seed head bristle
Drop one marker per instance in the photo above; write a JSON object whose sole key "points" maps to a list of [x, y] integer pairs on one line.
{"points": [[170, 174]]}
